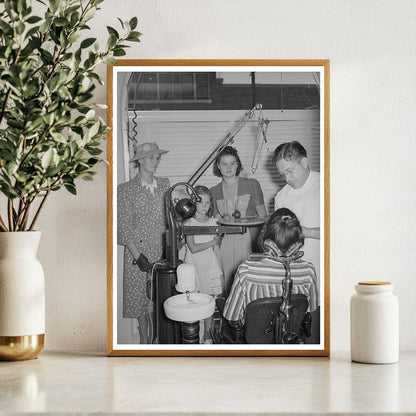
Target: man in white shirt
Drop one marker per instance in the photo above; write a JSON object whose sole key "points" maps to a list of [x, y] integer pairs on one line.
{"points": [[300, 195]]}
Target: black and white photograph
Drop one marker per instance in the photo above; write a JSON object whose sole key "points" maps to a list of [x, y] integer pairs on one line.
{"points": [[218, 215]]}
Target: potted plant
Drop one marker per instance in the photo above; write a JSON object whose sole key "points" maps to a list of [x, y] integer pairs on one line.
{"points": [[50, 136]]}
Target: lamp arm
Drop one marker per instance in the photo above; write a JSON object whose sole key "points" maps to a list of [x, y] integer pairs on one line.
{"points": [[172, 231], [228, 138]]}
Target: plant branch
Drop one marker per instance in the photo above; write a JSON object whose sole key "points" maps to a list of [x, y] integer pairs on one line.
{"points": [[59, 53], [39, 210], [10, 213], [9, 91], [2, 225], [26, 216], [20, 212], [35, 145]]}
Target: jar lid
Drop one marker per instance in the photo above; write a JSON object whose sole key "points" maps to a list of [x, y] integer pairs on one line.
{"points": [[370, 287], [374, 283]]}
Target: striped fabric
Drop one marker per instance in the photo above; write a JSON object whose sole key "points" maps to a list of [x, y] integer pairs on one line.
{"points": [[261, 277]]}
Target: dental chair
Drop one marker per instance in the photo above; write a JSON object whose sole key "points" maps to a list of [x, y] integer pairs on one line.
{"points": [[275, 320]]}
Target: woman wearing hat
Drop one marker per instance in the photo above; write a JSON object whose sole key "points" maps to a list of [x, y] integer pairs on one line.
{"points": [[140, 228]]}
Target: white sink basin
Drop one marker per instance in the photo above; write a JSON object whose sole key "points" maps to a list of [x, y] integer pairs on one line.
{"points": [[199, 306]]}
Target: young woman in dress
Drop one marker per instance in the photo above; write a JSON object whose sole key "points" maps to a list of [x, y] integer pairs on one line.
{"points": [[140, 228], [242, 197]]}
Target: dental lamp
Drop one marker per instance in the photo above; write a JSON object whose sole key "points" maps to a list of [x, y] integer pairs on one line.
{"points": [[185, 208]]}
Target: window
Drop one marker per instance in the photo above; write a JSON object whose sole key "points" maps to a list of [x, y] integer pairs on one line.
{"points": [[166, 86]]}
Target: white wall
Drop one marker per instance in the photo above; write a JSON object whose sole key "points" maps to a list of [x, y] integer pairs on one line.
{"points": [[371, 45]]}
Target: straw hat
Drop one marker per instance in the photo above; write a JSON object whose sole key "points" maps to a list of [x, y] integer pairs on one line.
{"points": [[146, 150]]}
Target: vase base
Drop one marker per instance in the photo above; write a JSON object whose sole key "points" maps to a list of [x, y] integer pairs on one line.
{"points": [[20, 348]]}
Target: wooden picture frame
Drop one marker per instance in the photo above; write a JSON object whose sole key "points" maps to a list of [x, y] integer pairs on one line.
{"points": [[193, 108]]}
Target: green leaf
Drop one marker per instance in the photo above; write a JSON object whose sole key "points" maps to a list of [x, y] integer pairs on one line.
{"points": [[112, 41], [10, 7], [35, 125], [21, 6], [112, 31], [70, 188], [82, 98], [133, 23], [31, 90], [54, 4], [67, 153], [47, 158], [21, 177], [33, 19], [61, 21], [8, 190], [7, 29], [78, 154], [46, 56], [20, 28], [74, 18], [86, 176], [119, 51], [63, 41], [94, 129], [121, 22], [49, 118], [92, 161], [73, 38], [10, 168], [31, 31], [87, 42], [94, 151], [90, 115], [110, 60], [58, 137], [52, 171], [53, 84], [133, 37]]}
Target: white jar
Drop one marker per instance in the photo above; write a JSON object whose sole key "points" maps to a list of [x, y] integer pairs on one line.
{"points": [[374, 323]]}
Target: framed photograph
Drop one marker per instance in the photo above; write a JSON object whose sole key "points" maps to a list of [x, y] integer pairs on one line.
{"points": [[218, 208]]}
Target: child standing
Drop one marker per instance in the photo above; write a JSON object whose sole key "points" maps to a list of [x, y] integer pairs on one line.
{"points": [[203, 252]]}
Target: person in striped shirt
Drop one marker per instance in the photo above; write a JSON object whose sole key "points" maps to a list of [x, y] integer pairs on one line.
{"points": [[261, 275]]}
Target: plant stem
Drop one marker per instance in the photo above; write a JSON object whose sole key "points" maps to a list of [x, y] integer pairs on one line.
{"points": [[39, 209], [26, 216], [10, 213], [9, 91], [3, 109], [2, 225], [32, 149], [22, 213]]}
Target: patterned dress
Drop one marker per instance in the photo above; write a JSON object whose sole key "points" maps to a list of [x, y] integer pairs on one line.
{"points": [[140, 220]]}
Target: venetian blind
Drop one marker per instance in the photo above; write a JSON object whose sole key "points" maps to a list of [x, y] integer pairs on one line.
{"points": [[190, 137]]}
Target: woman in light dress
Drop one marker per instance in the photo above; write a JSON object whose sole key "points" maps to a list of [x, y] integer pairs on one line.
{"points": [[238, 197]]}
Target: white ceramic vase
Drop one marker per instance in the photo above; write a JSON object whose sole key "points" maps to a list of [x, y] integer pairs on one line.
{"points": [[22, 296], [374, 323]]}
